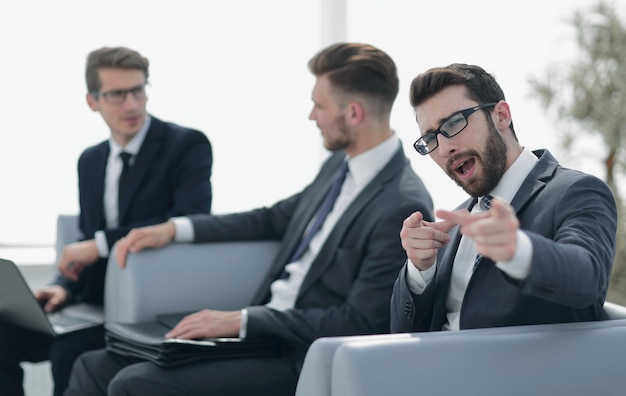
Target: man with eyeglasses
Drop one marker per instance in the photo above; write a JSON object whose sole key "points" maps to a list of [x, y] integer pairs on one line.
{"points": [[533, 245], [146, 172]]}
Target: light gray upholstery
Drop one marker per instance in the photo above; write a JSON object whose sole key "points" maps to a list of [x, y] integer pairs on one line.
{"points": [[179, 277], [185, 278], [67, 232], [563, 359]]}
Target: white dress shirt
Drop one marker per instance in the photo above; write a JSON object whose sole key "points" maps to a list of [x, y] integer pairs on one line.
{"points": [[113, 170]]}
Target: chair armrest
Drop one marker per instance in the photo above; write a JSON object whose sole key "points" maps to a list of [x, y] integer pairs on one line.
{"points": [[186, 278], [315, 377], [571, 359]]}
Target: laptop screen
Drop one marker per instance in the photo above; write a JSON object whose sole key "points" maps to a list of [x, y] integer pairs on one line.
{"points": [[18, 306]]}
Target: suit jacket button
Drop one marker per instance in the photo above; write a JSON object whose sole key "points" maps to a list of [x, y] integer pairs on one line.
{"points": [[408, 309]]}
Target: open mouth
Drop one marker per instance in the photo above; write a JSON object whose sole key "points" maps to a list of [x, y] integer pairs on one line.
{"points": [[466, 167]]}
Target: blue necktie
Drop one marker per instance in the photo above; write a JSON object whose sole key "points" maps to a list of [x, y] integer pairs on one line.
{"points": [[484, 204], [323, 211]]}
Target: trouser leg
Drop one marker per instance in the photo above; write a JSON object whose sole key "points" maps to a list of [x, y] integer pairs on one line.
{"points": [[93, 371], [99, 373], [228, 377], [66, 349], [16, 346]]}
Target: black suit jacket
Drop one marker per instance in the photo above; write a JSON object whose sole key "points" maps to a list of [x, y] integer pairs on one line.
{"points": [[348, 286], [170, 177], [571, 220]]}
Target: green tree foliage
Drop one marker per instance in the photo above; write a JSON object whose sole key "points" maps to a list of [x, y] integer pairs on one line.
{"points": [[588, 98]]}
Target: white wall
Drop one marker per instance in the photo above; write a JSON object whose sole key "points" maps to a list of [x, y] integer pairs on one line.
{"points": [[236, 69]]}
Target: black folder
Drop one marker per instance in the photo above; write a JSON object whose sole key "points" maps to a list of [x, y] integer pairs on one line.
{"points": [[146, 341]]}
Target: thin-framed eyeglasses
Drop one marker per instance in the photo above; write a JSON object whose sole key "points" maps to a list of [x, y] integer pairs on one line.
{"points": [[450, 127], [118, 96]]}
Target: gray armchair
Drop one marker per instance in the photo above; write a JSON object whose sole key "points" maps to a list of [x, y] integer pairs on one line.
{"points": [[179, 277], [562, 359], [186, 278]]}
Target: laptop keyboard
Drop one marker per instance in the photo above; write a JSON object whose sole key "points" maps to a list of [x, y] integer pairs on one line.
{"points": [[66, 320]]}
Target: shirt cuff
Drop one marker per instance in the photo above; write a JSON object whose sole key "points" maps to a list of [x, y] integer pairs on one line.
{"points": [[418, 280], [184, 229], [101, 244], [519, 266], [243, 324]]}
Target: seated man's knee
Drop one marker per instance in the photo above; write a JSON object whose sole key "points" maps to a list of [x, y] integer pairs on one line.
{"points": [[84, 378], [123, 384]]}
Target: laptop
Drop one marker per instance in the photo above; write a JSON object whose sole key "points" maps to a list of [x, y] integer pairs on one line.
{"points": [[19, 307]]}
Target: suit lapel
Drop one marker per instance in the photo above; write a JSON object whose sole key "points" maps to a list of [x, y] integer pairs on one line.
{"points": [[536, 180], [146, 156], [310, 206], [324, 257]]}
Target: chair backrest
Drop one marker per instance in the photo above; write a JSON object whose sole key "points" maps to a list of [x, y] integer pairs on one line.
{"points": [[67, 232], [186, 278], [573, 359]]}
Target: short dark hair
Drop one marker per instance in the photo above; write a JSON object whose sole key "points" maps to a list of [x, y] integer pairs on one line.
{"points": [[112, 58], [362, 69], [481, 85]]}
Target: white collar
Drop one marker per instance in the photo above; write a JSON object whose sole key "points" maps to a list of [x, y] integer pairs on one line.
{"points": [[134, 144]]}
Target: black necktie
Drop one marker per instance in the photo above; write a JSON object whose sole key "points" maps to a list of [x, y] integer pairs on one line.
{"points": [[484, 204], [123, 175], [323, 211]]}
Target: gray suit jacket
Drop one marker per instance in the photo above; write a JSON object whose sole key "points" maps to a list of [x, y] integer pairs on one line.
{"points": [[349, 284], [571, 219]]}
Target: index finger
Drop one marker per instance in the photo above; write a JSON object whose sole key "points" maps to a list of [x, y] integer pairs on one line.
{"points": [[500, 209], [121, 252], [456, 217], [181, 327], [414, 220], [461, 217]]}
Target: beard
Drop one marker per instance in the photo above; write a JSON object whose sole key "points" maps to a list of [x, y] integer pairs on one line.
{"points": [[341, 139], [493, 163]]}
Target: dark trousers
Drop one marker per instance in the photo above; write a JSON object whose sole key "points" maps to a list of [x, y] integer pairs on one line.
{"points": [[104, 373], [19, 345]]}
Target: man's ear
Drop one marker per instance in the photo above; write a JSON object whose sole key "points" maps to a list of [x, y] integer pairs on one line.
{"points": [[355, 113], [502, 115], [92, 102]]}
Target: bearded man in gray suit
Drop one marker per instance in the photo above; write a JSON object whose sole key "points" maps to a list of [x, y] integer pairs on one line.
{"points": [[535, 243]]}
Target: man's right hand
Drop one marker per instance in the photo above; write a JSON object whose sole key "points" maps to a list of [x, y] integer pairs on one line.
{"points": [[149, 237], [51, 297], [422, 239]]}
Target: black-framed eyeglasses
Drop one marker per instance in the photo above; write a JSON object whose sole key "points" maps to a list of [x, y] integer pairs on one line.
{"points": [[452, 126], [118, 96]]}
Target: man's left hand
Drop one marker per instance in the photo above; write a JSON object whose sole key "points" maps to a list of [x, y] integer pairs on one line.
{"points": [[207, 324]]}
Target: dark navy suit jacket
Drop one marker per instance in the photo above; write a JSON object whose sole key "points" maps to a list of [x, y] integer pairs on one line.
{"points": [[170, 177]]}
